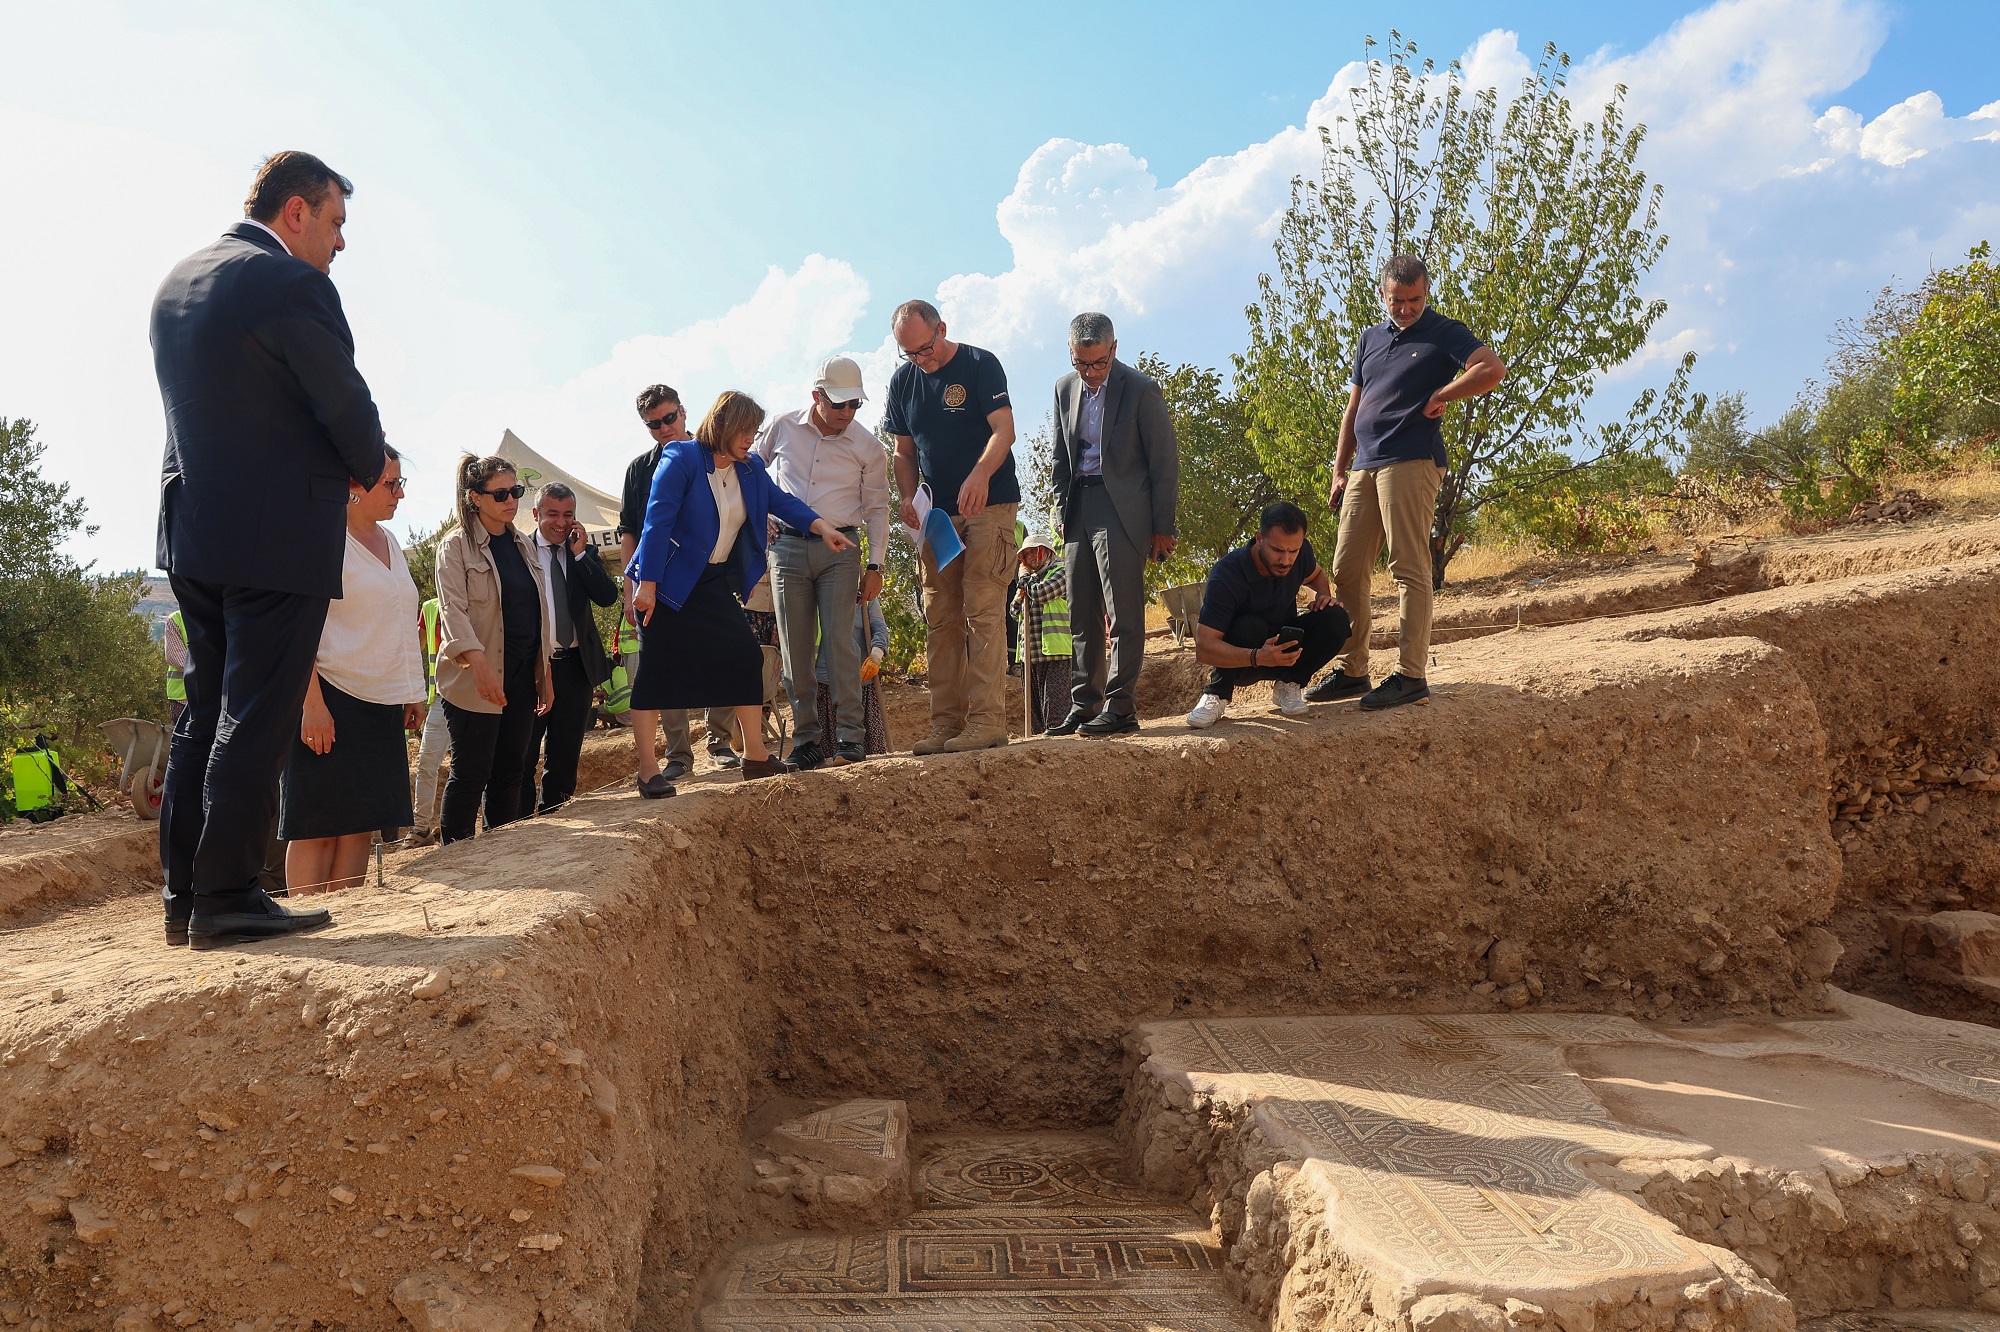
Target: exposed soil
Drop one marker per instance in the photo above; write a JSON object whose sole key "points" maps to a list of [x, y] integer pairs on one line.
{"points": [[1633, 816]]}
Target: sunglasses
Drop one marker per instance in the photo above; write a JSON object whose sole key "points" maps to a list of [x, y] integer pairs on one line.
{"points": [[661, 422], [834, 405], [505, 493]]}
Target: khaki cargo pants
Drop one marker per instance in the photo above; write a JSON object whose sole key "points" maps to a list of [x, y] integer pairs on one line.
{"points": [[965, 623], [1395, 502]]}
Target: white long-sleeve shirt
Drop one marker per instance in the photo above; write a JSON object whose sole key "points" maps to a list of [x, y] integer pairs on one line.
{"points": [[843, 478]]}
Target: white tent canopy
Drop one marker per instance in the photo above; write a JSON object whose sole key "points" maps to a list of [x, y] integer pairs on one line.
{"points": [[597, 510]]}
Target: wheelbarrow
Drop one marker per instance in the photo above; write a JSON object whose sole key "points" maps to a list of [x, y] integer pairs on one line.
{"points": [[1183, 605], [141, 747]]}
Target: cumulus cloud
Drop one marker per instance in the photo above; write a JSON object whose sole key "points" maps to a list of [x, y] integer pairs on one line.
{"points": [[1913, 128]]}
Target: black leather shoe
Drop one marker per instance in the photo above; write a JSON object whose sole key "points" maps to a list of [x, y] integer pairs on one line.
{"points": [[247, 920], [656, 787], [1108, 723], [1068, 725], [674, 771], [1394, 692], [1337, 684], [726, 758], [807, 755], [177, 933], [849, 752], [753, 769]]}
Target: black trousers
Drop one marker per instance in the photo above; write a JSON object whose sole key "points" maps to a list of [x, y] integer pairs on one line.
{"points": [[558, 737], [1326, 630], [250, 658], [489, 754]]}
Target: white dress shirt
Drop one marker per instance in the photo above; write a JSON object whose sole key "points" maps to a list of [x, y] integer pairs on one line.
{"points": [[268, 232], [728, 508], [843, 478]]}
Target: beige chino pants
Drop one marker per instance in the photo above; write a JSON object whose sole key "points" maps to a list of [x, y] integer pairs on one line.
{"points": [[965, 624], [1396, 502]]}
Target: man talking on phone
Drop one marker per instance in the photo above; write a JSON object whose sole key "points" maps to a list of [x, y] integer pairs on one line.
{"points": [[575, 580], [1251, 627]]}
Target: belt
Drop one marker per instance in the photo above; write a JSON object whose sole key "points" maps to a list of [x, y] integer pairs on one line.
{"points": [[1094, 479], [813, 536], [564, 654]]}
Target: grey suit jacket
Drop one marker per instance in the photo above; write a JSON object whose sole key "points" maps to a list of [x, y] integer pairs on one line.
{"points": [[1140, 459]]}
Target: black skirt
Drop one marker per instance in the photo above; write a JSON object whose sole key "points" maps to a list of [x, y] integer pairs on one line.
{"points": [[360, 785], [702, 655]]}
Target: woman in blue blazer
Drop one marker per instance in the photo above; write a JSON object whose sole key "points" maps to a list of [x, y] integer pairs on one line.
{"points": [[703, 547]]}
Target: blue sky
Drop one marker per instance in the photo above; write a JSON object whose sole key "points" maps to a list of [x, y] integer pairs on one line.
{"points": [[557, 205]]}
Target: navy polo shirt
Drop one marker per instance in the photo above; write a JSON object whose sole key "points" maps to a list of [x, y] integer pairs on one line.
{"points": [[1397, 370]]}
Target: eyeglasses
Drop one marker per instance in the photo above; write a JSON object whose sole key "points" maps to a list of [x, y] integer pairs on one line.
{"points": [[505, 493], [395, 484], [662, 422], [1102, 363], [917, 353]]}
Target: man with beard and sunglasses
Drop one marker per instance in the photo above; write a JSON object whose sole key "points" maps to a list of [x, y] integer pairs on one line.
{"points": [[665, 419]]}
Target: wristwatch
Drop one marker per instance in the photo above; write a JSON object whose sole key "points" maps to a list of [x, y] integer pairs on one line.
{"points": [[874, 568]]}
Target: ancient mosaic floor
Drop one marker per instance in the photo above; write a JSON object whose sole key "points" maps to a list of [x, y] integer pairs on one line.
{"points": [[1451, 1149], [1039, 1232]]}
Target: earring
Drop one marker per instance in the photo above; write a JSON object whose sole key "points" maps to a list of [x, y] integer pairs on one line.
{"points": [[353, 498]]}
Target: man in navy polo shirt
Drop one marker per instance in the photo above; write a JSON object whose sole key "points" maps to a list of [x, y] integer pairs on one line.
{"points": [[954, 429], [1389, 466]]}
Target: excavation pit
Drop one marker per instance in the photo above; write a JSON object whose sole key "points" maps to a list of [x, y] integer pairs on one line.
{"points": [[515, 1081]]}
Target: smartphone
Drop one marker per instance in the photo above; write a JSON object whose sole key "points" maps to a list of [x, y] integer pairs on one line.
{"points": [[1291, 633]]}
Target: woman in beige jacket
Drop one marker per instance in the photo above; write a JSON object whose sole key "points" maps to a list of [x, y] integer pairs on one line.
{"points": [[493, 648]]}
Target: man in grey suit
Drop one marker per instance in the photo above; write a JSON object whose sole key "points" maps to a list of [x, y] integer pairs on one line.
{"points": [[1117, 481]]}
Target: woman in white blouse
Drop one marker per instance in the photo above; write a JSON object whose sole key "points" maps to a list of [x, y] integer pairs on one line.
{"points": [[348, 776]]}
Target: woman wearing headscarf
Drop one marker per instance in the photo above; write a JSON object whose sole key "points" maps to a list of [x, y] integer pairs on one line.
{"points": [[493, 648], [700, 552]]}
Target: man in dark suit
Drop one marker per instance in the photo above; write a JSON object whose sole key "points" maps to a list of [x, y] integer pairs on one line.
{"points": [[1117, 478], [575, 580], [267, 420]]}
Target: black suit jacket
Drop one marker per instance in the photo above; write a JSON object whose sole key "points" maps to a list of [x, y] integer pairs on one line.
{"points": [[267, 418], [587, 582]]}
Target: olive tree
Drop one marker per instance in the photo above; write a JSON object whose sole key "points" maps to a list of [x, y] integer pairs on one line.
{"points": [[1537, 228]]}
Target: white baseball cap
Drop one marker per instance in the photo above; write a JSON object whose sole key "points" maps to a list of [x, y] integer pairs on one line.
{"points": [[1035, 537], [840, 379]]}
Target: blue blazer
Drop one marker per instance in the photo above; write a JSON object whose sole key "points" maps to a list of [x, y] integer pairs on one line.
{"points": [[682, 523]]}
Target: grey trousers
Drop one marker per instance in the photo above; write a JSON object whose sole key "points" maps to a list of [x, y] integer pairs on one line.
{"points": [[1107, 574], [674, 723], [814, 592]]}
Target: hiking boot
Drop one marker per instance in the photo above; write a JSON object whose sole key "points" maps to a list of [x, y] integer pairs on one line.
{"points": [[1394, 692], [976, 737], [935, 742], [1206, 713], [1337, 684], [807, 755], [1289, 699]]}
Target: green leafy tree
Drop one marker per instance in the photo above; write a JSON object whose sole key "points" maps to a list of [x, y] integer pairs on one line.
{"points": [[72, 651], [1223, 484], [1948, 354], [1537, 230]]}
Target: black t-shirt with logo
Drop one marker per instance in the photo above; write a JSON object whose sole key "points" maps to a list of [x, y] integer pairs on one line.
{"points": [[945, 413], [1236, 589]]}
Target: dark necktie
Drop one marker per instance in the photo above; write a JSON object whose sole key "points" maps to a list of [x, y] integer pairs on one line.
{"points": [[559, 593]]}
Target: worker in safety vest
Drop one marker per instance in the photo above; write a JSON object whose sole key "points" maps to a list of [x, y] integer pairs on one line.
{"points": [[1045, 638], [177, 663], [436, 741]]}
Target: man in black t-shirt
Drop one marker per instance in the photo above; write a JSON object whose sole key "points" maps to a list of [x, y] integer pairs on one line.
{"points": [[954, 429], [1251, 627], [1388, 467], [660, 411]]}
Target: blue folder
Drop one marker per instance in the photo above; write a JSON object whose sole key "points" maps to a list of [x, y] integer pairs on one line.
{"points": [[942, 537]]}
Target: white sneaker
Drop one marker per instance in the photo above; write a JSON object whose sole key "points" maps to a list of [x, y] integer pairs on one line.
{"points": [[1289, 698], [1208, 712]]}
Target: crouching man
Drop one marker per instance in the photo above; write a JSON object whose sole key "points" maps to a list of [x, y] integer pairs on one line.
{"points": [[1251, 627]]}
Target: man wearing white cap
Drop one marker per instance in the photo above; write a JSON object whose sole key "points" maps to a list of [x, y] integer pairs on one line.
{"points": [[822, 457]]}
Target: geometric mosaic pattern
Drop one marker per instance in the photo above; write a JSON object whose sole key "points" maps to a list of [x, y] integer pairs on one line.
{"points": [[870, 1128], [1039, 1232], [1450, 1149]]}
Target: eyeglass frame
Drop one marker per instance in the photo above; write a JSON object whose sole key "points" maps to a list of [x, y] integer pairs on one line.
{"points": [[926, 349], [659, 422]]}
